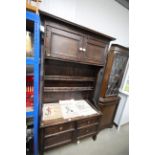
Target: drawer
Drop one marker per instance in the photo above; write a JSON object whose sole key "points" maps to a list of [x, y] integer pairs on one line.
{"points": [[58, 128], [87, 131], [58, 140], [88, 121]]}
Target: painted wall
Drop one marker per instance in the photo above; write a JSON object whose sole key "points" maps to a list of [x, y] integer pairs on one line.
{"points": [[105, 16]]}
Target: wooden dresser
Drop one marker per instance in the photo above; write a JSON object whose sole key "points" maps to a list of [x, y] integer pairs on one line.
{"points": [[73, 59], [113, 74]]}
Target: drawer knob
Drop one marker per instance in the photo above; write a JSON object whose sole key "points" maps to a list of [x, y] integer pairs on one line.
{"points": [[87, 131], [88, 122], [48, 54], [60, 128], [80, 49], [84, 50]]}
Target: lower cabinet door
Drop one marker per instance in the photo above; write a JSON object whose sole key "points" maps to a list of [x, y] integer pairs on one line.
{"points": [[108, 111]]}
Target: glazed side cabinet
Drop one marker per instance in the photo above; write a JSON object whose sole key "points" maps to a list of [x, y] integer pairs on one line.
{"points": [[115, 67]]}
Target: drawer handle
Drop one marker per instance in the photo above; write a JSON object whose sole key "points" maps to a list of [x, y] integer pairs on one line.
{"points": [[80, 49], [60, 128], [87, 131], [48, 54], [84, 50], [88, 122]]}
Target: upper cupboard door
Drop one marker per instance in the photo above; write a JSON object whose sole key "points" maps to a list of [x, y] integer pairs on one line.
{"points": [[95, 50], [63, 44]]}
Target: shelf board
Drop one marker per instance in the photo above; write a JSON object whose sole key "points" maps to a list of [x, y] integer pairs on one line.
{"points": [[68, 78], [29, 60], [80, 62], [67, 89]]}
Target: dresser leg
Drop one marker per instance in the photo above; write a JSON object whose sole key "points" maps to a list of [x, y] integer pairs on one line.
{"points": [[94, 137], [41, 136]]}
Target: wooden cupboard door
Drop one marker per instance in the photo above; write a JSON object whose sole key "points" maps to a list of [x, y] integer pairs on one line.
{"points": [[95, 50], [108, 111], [62, 44]]}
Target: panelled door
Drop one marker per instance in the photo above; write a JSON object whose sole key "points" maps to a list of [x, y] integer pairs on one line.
{"points": [[94, 50], [63, 44]]}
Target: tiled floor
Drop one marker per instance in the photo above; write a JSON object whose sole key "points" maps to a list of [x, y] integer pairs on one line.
{"points": [[109, 142]]}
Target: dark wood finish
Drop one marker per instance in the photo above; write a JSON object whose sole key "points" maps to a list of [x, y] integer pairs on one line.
{"points": [[74, 46], [95, 50], [56, 139], [113, 74], [62, 44], [66, 89], [74, 80], [86, 122], [69, 41], [114, 70], [58, 128], [68, 78], [58, 132], [108, 107], [73, 58]]}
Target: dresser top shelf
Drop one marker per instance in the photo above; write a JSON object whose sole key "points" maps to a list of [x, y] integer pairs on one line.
{"points": [[47, 15]]}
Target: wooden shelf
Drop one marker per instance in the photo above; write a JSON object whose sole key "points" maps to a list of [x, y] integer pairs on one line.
{"points": [[68, 78], [67, 89], [73, 61]]}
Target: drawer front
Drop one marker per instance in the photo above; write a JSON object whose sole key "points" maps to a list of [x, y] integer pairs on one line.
{"points": [[86, 122], [58, 128], [87, 131], [96, 51], [58, 140], [63, 44]]}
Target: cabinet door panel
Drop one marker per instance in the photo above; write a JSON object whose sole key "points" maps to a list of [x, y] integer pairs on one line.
{"points": [[63, 44], [95, 51], [108, 111], [116, 75]]}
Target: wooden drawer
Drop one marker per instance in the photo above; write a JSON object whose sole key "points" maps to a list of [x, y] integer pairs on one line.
{"points": [[87, 131], [59, 128], [88, 121], [58, 140]]}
